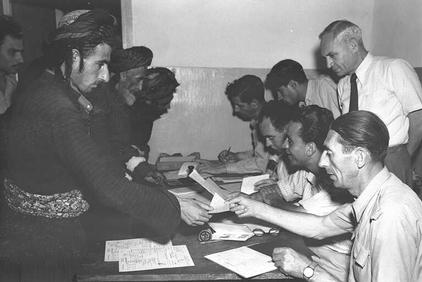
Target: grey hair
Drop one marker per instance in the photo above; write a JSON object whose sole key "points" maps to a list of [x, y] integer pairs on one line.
{"points": [[343, 30]]}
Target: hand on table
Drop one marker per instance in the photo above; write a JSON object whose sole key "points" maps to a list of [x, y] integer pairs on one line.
{"points": [[194, 212], [226, 156], [290, 262], [156, 177]]}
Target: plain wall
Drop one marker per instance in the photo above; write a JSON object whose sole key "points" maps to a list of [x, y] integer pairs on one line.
{"points": [[210, 43], [397, 30]]}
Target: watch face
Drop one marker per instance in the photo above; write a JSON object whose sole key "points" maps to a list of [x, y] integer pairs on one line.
{"points": [[308, 272]]}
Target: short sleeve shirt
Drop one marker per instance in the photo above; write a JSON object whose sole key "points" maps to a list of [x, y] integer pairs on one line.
{"points": [[390, 88], [322, 92]]}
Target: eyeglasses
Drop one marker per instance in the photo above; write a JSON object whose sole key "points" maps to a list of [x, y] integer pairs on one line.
{"points": [[260, 232]]}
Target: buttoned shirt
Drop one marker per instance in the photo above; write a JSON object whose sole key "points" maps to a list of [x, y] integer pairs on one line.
{"points": [[387, 238], [322, 91], [390, 88], [6, 96], [331, 254]]}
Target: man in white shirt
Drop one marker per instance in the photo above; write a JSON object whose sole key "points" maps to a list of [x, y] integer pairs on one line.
{"points": [[11, 59], [288, 82], [390, 88], [309, 188], [246, 95]]}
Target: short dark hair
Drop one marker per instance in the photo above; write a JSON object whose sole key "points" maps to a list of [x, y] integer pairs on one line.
{"points": [[363, 129], [282, 73], [280, 113], [247, 88], [8, 26], [316, 123], [158, 78]]}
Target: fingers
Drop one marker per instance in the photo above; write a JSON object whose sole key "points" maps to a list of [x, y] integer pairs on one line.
{"points": [[204, 205]]}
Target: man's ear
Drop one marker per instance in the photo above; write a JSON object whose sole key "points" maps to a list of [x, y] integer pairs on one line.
{"points": [[310, 148], [361, 157], [293, 84], [354, 45], [76, 58]]}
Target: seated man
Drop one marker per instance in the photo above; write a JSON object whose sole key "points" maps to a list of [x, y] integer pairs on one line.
{"points": [[302, 140], [386, 216], [246, 95], [288, 82]]}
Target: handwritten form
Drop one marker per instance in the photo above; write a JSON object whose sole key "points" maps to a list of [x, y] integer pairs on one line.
{"points": [[244, 261], [142, 254]]}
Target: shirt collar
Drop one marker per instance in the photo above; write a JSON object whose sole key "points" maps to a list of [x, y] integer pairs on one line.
{"points": [[362, 70], [369, 192]]}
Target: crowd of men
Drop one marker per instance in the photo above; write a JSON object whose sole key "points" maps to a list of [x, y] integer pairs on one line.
{"points": [[75, 129]]}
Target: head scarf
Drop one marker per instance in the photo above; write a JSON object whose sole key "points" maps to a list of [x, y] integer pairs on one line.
{"points": [[125, 59], [70, 17], [79, 24]]}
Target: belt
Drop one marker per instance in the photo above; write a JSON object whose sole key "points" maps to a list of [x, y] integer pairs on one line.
{"points": [[60, 205]]}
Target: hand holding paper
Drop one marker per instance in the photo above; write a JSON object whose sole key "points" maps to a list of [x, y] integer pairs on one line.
{"points": [[248, 183]]}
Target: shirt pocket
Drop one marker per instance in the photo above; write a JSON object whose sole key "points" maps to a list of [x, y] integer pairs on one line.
{"points": [[361, 255]]}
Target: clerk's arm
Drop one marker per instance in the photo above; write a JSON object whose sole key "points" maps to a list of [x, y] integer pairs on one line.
{"points": [[304, 224]]}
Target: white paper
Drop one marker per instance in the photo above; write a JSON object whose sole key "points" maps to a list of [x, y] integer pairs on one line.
{"points": [[230, 232], [208, 184], [218, 204], [244, 261], [248, 183], [183, 171], [145, 259], [112, 248]]}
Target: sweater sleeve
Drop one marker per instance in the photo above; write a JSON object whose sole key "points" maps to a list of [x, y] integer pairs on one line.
{"points": [[156, 208]]}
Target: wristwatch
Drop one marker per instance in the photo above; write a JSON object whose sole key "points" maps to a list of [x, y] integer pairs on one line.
{"points": [[309, 271]]}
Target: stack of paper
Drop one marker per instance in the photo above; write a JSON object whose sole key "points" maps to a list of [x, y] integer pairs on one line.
{"points": [[231, 232], [143, 254], [244, 261]]}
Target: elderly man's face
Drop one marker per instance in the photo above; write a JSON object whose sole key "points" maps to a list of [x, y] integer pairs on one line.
{"points": [[133, 78], [274, 139], [294, 146], [339, 55], [95, 69], [340, 165], [11, 55]]}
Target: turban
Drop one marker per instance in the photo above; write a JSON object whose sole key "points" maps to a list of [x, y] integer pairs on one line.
{"points": [[70, 17], [126, 59], [82, 24]]}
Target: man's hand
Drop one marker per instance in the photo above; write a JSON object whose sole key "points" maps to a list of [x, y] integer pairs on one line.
{"points": [[290, 262], [211, 167], [194, 212], [156, 177], [265, 182], [244, 206], [226, 156]]}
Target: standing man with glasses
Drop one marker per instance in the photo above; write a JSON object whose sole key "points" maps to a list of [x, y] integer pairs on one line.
{"points": [[388, 87]]}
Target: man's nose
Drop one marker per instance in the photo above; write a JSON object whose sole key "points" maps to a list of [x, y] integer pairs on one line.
{"points": [[323, 161], [105, 74], [19, 57]]}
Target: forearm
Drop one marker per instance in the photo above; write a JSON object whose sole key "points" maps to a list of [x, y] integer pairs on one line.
{"points": [[321, 275], [304, 224]]}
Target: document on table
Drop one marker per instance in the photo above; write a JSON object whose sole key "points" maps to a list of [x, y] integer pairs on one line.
{"points": [[244, 261], [113, 247], [184, 169], [137, 259], [230, 232], [248, 183]]}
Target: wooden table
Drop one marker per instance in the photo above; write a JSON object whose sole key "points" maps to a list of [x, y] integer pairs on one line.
{"points": [[204, 270]]}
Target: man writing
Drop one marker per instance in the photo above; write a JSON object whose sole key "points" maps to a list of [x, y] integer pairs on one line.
{"points": [[385, 217], [390, 88], [246, 95]]}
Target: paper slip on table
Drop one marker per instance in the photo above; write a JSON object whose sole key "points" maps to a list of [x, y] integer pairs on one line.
{"points": [[204, 269]]}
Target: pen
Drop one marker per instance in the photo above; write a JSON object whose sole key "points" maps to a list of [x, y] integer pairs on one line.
{"points": [[228, 150]]}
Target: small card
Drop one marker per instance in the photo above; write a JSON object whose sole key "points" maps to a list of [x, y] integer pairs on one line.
{"points": [[248, 183]]}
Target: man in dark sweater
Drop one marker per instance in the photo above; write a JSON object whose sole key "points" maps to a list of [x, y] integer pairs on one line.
{"points": [[52, 160]]}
